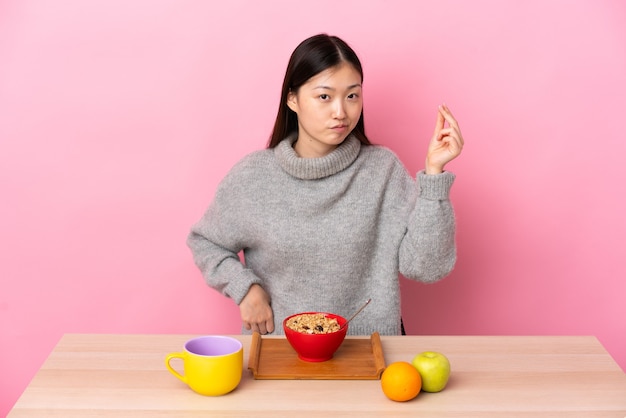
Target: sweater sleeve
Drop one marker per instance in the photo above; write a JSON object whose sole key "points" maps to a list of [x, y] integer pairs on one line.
{"points": [[428, 250], [216, 241], [220, 266]]}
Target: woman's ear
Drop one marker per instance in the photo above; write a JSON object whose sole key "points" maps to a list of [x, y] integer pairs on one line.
{"points": [[292, 101]]}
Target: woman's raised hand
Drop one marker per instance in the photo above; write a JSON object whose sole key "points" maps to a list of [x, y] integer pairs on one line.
{"points": [[446, 143]]}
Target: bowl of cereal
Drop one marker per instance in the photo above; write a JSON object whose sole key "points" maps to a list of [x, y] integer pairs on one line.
{"points": [[315, 336]]}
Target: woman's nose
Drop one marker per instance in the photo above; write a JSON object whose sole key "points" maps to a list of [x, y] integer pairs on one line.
{"points": [[339, 112]]}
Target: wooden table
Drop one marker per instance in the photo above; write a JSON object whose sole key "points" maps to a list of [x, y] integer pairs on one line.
{"points": [[505, 376]]}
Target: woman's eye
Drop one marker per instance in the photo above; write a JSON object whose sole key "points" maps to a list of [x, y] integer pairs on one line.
{"points": [[353, 96], [324, 96]]}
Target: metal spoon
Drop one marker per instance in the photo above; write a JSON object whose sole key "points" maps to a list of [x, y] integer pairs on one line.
{"points": [[356, 313]]}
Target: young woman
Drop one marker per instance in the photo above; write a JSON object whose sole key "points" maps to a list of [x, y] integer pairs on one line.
{"points": [[326, 220]]}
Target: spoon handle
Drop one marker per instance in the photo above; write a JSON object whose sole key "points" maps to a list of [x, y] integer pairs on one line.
{"points": [[357, 312]]}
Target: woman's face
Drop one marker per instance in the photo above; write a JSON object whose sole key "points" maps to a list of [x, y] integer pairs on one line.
{"points": [[328, 106]]}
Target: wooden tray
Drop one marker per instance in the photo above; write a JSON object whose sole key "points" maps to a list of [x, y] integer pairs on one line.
{"points": [[356, 359]]}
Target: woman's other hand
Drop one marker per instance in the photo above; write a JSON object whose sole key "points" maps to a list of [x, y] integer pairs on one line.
{"points": [[446, 143], [256, 312]]}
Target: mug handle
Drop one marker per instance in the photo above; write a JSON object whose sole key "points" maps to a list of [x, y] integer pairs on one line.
{"points": [[171, 369]]}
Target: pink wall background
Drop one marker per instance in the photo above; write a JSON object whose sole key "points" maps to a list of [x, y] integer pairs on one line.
{"points": [[118, 119]]}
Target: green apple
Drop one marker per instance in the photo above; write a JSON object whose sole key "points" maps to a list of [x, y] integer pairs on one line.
{"points": [[434, 368]]}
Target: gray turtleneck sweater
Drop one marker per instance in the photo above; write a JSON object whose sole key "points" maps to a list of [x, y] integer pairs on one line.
{"points": [[325, 234]]}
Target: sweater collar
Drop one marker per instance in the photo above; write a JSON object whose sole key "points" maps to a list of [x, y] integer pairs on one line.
{"points": [[316, 168]]}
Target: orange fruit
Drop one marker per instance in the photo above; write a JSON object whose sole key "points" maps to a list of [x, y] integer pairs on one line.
{"points": [[401, 381]]}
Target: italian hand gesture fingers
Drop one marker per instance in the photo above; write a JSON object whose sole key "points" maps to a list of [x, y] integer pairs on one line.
{"points": [[446, 143]]}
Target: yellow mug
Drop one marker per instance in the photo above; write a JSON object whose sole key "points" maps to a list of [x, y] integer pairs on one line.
{"points": [[213, 364]]}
